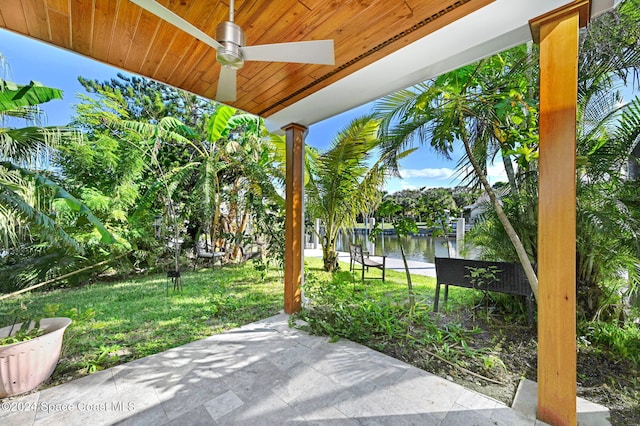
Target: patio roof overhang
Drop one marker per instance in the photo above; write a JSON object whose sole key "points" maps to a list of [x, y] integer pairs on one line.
{"points": [[380, 47]]}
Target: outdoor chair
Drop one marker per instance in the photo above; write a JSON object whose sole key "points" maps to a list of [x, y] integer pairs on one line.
{"points": [[202, 251], [358, 255]]}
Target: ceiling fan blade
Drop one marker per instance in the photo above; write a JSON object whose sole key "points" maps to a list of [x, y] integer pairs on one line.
{"points": [[226, 85], [175, 20], [305, 52]]}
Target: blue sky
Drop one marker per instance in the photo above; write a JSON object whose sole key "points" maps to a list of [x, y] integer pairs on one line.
{"points": [[32, 60]]}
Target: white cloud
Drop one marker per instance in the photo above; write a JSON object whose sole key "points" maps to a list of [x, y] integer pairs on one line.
{"points": [[432, 177], [429, 173]]}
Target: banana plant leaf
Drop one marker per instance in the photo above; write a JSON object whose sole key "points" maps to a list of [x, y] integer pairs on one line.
{"points": [[14, 95]]}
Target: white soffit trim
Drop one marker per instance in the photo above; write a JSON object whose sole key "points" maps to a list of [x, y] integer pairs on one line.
{"points": [[494, 28]]}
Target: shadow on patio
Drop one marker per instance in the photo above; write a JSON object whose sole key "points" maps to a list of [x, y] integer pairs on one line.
{"points": [[263, 373]]}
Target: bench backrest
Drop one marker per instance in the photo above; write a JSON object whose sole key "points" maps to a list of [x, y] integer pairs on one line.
{"points": [[206, 250], [355, 250], [201, 248], [510, 277]]}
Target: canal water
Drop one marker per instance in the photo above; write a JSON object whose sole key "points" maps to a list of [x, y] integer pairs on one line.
{"points": [[419, 248]]}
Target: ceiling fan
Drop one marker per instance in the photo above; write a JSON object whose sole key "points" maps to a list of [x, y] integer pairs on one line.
{"points": [[232, 51]]}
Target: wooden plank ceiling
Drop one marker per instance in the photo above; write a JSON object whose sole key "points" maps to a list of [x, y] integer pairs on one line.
{"points": [[120, 33]]}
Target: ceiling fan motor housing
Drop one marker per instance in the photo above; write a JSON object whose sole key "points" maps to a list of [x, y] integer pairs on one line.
{"points": [[231, 37]]}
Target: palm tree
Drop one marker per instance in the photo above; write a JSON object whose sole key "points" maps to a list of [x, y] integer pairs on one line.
{"points": [[249, 178], [608, 215], [608, 132], [341, 184], [481, 105]]}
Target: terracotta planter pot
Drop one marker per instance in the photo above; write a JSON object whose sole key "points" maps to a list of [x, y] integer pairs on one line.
{"points": [[25, 365]]}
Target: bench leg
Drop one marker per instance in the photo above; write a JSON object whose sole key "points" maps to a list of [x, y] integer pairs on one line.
{"points": [[435, 302], [530, 310], [383, 268]]}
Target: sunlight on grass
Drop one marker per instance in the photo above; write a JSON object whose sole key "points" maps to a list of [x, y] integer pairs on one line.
{"points": [[140, 318], [101, 325], [394, 287]]}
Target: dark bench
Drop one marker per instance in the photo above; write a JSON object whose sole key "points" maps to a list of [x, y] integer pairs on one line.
{"points": [[362, 257], [509, 278], [174, 277]]}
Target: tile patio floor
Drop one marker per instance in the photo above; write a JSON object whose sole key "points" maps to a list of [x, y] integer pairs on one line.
{"points": [[264, 373]]}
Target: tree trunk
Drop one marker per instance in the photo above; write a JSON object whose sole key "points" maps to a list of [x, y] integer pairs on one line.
{"points": [[634, 164], [215, 221], [176, 247], [511, 174], [412, 297], [329, 255], [239, 250], [450, 249], [511, 233], [634, 174]]}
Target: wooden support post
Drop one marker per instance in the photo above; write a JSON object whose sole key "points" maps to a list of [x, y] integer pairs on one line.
{"points": [[294, 220], [557, 34]]}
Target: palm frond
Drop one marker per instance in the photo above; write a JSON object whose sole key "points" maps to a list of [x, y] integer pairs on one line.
{"points": [[60, 193], [395, 107], [168, 129], [47, 227], [341, 183], [19, 145], [628, 129]]}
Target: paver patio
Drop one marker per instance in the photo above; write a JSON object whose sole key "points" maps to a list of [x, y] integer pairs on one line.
{"points": [[264, 373]]}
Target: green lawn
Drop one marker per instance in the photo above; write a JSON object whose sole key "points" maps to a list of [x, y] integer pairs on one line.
{"points": [[394, 287], [116, 322], [377, 313]]}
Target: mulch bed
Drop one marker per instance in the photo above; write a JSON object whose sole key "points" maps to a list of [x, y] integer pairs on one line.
{"points": [[509, 352]]}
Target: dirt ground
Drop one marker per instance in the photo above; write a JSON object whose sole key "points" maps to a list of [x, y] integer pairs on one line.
{"points": [[508, 352]]}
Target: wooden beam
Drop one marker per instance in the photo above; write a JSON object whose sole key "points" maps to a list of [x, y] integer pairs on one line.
{"points": [[557, 34], [581, 7], [294, 220]]}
